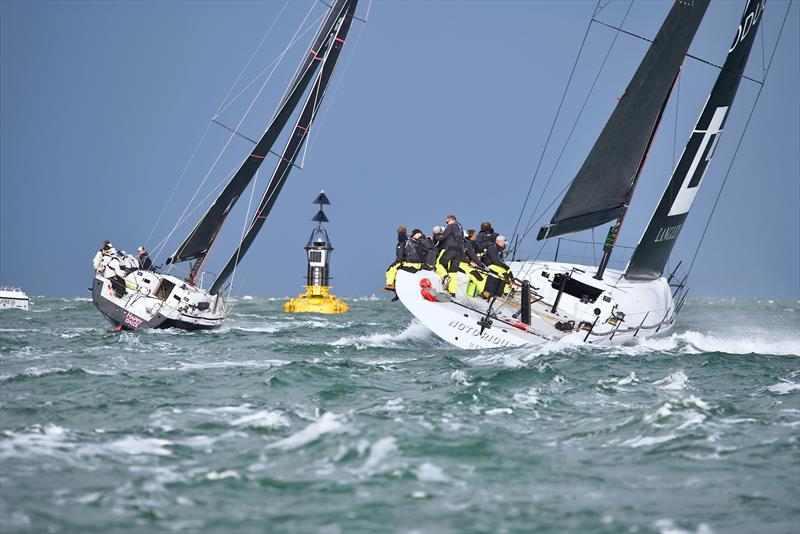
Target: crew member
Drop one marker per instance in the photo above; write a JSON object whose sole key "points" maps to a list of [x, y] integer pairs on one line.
{"points": [[112, 269], [98, 257], [400, 254], [487, 236], [452, 240], [494, 258], [416, 252], [145, 263]]}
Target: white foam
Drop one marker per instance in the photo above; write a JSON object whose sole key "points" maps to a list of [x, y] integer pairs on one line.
{"points": [[667, 526], [329, 423], [243, 408], [499, 411], [134, 445], [630, 379], [48, 441], [222, 475], [247, 297], [378, 451], [644, 441], [191, 366], [662, 413], [415, 331], [673, 381], [691, 342], [428, 472], [783, 388], [528, 398], [459, 376], [263, 419]]}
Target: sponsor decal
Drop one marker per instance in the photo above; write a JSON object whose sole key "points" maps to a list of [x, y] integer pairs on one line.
{"points": [[749, 22], [475, 331], [667, 234], [132, 320]]}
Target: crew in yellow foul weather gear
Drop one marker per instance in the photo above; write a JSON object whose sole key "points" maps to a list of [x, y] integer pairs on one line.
{"points": [[494, 258], [452, 243], [399, 251]]}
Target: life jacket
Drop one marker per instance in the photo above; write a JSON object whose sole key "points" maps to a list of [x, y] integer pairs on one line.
{"points": [[453, 236], [415, 251]]}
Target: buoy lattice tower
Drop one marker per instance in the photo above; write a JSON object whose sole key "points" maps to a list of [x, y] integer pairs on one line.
{"points": [[317, 298]]}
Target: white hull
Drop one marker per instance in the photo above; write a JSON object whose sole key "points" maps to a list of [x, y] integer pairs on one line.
{"points": [[158, 301], [622, 311], [13, 298]]}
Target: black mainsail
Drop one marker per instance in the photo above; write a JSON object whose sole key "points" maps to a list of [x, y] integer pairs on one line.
{"points": [[652, 253], [602, 188], [333, 47], [199, 241]]}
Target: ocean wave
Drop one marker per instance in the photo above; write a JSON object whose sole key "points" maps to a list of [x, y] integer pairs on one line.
{"points": [[378, 451], [415, 332], [784, 387], [328, 423], [262, 419], [194, 366], [674, 381], [692, 342]]}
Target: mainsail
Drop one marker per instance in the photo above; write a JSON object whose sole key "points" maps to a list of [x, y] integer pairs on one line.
{"points": [[602, 188], [199, 241], [650, 256], [333, 47]]}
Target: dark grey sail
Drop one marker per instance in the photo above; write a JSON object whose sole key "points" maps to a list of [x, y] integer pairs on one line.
{"points": [[603, 186], [652, 253], [336, 40], [199, 241]]}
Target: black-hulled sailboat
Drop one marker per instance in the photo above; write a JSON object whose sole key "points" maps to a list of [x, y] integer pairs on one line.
{"points": [[154, 300], [594, 304]]}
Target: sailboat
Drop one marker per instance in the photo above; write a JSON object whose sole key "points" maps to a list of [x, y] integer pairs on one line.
{"points": [[156, 300], [553, 300]]}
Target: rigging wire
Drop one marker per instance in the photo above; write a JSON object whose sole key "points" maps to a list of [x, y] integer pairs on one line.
{"points": [[574, 124], [553, 125], [208, 126], [741, 138], [230, 138], [314, 136]]}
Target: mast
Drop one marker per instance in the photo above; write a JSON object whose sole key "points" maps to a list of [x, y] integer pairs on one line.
{"points": [[199, 241], [651, 255], [602, 189], [333, 48]]}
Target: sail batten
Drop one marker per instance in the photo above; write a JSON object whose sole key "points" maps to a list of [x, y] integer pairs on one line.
{"points": [[651, 255], [197, 244], [603, 186]]}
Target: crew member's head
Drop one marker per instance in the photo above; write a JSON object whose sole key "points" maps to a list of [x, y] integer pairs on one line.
{"points": [[450, 219], [501, 241]]}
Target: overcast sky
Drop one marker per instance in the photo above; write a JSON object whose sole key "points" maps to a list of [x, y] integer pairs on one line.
{"points": [[436, 108]]}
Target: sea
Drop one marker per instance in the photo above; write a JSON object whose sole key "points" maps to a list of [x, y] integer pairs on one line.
{"points": [[366, 422]]}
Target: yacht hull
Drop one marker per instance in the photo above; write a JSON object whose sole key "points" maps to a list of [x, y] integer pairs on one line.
{"points": [[613, 311], [157, 301]]}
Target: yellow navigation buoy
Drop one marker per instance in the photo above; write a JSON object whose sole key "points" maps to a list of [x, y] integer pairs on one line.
{"points": [[317, 298]]}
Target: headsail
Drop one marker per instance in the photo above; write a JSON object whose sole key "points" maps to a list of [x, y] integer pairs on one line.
{"points": [[334, 45], [199, 241], [650, 256], [602, 188]]}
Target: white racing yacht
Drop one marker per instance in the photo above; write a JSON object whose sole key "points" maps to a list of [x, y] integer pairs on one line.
{"points": [[553, 300], [161, 300]]}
